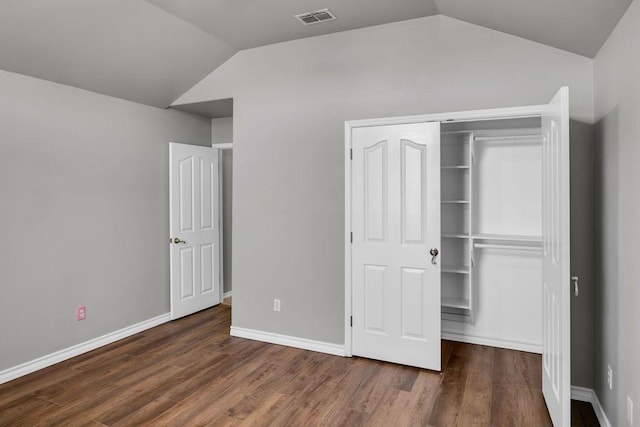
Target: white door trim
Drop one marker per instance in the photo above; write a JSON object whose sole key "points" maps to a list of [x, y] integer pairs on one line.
{"points": [[472, 115], [221, 147], [224, 146]]}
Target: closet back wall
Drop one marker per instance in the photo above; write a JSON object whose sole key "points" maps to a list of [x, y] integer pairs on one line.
{"points": [[290, 103]]}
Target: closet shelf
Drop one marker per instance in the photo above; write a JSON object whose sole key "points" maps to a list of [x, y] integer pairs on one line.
{"points": [[508, 247], [508, 238], [455, 235], [456, 132], [461, 202], [455, 303], [508, 138], [458, 269], [455, 167]]}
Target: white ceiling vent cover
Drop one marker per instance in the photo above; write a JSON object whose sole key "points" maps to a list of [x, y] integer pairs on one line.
{"points": [[316, 17]]}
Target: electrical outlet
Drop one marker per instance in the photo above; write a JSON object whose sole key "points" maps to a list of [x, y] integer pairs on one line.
{"points": [[276, 304], [610, 377], [629, 411], [81, 313]]}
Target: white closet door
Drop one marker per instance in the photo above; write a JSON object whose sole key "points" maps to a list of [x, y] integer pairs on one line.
{"points": [[395, 223], [556, 355], [194, 228]]}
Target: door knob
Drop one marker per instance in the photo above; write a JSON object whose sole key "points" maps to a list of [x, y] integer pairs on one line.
{"points": [[434, 253], [177, 240]]}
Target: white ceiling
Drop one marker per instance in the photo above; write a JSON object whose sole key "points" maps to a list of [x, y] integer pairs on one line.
{"points": [[152, 51]]}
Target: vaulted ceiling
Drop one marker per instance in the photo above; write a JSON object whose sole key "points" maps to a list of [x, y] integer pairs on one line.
{"points": [[152, 51]]}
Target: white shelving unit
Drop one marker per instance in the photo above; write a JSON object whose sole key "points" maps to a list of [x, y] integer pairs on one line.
{"points": [[490, 219], [456, 172]]}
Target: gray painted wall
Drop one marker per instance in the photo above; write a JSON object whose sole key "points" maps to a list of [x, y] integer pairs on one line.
{"points": [[582, 253], [617, 107], [84, 209], [290, 104], [222, 133]]}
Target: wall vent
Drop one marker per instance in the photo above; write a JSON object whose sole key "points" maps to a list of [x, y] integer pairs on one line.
{"points": [[316, 17]]}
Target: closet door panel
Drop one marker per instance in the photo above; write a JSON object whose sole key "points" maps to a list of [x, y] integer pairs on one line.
{"points": [[375, 192], [395, 220]]}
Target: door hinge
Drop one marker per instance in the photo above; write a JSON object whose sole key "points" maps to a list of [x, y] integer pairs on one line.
{"points": [[351, 236], [351, 321], [351, 153]]}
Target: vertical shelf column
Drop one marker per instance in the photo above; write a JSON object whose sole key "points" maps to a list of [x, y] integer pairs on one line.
{"points": [[456, 175]]}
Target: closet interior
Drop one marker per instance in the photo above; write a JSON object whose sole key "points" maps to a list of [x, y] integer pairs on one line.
{"points": [[491, 224]]}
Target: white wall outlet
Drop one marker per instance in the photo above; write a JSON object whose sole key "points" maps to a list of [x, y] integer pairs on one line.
{"points": [[81, 313], [276, 304], [629, 411], [610, 377]]}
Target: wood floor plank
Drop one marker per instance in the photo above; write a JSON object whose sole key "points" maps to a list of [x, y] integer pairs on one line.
{"points": [[582, 414], [517, 368], [33, 384], [251, 401], [144, 414], [514, 406], [475, 409], [348, 387], [414, 407], [266, 413], [314, 401], [372, 390], [191, 372], [22, 408], [448, 401]]}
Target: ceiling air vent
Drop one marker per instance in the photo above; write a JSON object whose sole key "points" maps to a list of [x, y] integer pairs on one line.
{"points": [[316, 17]]}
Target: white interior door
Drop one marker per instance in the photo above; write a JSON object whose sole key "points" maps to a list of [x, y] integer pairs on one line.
{"points": [[556, 355], [194, 228], [395, 223]]}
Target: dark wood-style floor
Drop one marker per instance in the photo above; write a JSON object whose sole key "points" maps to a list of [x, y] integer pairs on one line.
{"points": [[190, 372]]}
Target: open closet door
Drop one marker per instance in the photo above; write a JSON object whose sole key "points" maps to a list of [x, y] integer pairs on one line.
{"points": [[556, 352], [396, 241], [194, 228]]}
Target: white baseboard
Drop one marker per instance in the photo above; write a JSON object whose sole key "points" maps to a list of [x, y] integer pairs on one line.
{"points": [[492, 342], [78, 349], [588, 395], [305, 344], [226, 295]]}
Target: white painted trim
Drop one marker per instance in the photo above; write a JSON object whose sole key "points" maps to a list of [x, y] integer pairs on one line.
{"points": [[289, 341], [460, 116], [589, 395], [348, 311], [493, 342], [220, 227], [78, 349], [582, 394], [226, 295], [223, 146]]}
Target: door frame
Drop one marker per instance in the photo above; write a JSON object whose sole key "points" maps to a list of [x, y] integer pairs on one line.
{"points": [[460, 116], [227, 146]]}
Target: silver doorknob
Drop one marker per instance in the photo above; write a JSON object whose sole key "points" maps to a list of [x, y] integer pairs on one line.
{"points": [[176, 240], [434, 253]]}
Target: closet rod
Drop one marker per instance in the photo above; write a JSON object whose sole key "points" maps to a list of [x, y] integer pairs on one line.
{"points": [[508, 138], [508, 247]]}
